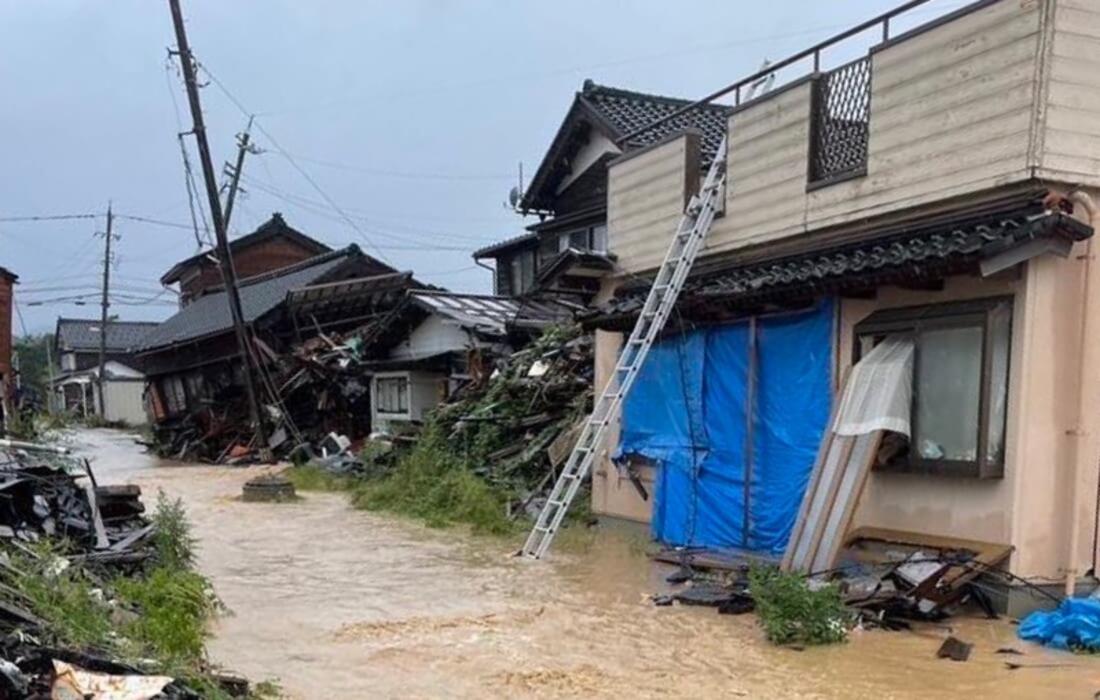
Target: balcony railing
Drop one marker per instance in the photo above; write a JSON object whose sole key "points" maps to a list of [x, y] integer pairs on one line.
{"points": [[813, 56]]}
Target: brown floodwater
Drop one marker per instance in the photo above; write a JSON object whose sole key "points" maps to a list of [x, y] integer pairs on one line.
{"points": [[338, 603]]}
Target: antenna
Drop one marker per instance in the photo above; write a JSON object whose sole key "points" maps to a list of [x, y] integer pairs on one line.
{"points": [[762, 84]]}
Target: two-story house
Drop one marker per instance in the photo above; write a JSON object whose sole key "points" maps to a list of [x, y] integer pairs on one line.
{"points": [[566, 252], [76, 382], [938, 191], [273, 245]]}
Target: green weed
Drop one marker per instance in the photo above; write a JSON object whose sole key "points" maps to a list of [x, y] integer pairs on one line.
{"points": [[431, 482], [309, 477], [791, 613]]}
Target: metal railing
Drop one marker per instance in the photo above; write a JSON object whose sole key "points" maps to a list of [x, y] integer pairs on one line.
{"points": [[814, 52]]}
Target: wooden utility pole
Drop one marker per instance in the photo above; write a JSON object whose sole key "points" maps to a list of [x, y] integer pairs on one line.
{"points": [[243, 146], [104, 306], [225, 261]]}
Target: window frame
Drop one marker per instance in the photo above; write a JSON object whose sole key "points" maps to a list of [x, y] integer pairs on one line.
{"points": [[911, 321], [403, 379]]}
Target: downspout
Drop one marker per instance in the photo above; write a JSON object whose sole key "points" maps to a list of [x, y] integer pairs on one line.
{"points": [[1088, 359]]}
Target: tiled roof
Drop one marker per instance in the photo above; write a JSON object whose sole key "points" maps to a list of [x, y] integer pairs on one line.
{"points": [[507, 243], [209, 314], [5, 272], [483, 313], [626, 111], [275, 226], [932, 253], [83, 334]]}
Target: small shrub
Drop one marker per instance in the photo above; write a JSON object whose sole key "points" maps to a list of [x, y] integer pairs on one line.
{"points": [[173, 542], [174, 608], [791, 613]]}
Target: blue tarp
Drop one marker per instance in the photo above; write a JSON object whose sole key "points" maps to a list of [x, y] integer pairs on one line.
{"points": [[686, 412], [1075, 624]]}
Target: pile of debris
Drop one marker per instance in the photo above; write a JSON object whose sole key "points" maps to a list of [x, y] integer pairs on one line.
{"points": [[518, 424], [321, 387], [47, 496]]}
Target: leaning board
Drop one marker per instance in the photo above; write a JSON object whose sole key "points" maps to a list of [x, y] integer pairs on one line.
{"points": [[830, 501]]}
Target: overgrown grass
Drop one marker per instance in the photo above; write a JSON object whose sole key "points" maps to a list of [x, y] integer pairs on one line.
{"points": [[159, 616], [309, 477], [792, 613], [431, 482]]}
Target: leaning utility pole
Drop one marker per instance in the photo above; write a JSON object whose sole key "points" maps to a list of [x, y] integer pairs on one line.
{"points": [[224, 259], [244, 145], [104, 305]]}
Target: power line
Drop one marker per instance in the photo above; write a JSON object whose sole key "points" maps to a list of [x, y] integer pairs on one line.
{"points": [[319, 207], [409, 175], [48, 217], [293, 163]]}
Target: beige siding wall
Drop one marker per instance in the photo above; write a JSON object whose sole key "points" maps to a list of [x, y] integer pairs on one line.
{"points": [[1071, 139], [953, 112], [645, 199]]}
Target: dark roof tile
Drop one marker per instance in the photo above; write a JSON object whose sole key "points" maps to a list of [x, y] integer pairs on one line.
{"points": [[78, 334]]}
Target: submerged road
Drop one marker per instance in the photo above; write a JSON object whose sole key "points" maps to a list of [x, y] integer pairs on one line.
{"points": [[337, 603]]}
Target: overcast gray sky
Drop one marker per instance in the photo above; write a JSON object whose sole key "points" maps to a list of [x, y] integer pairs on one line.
{"points": [[411, 116]]}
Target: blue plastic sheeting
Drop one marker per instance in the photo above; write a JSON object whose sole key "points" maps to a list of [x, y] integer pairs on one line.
{"points": [[1075, 625], [686, 412]]}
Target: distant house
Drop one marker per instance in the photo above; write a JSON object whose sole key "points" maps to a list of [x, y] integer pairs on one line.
{"points": [[192, 358], [439, 340], [76, 383], [272, 246], [7, 281], [566, 252]]}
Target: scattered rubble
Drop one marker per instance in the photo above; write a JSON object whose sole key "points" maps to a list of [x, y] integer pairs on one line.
{"points": [[59, 527]]}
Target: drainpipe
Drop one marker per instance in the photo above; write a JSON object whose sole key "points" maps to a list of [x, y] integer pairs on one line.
{"points": [[1089, 360]]}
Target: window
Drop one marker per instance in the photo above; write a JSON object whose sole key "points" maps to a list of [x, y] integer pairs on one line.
{"points": [[392, 394], [960, 383], [523, 272], [175, 400], [840, 124], [599, 238]]}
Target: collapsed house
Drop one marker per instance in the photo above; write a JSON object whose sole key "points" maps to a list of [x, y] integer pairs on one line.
{"points": [[438, 341], [888, 200], [196, 374], [343, 344], [76, 381]]}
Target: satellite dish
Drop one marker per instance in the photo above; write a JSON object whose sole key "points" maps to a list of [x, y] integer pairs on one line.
{"points": [[513, 196]]}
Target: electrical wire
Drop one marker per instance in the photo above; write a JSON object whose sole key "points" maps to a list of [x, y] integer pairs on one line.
{"points": [[188, 172], [48, 217]]}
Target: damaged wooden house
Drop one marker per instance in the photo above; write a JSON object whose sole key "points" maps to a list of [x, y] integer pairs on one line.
{"points": [[932, 200], [195, 372]]}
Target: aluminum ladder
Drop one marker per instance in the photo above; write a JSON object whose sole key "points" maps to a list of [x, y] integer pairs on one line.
{"points": [[682, 251]]}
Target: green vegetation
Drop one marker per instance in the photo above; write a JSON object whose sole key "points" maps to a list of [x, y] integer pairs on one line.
{"points": [[792, 613], [310, 477], [156, 619], [434, 484]]}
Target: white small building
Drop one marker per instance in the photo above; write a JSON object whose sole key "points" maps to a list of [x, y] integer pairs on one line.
{"points": [[76, 385]]}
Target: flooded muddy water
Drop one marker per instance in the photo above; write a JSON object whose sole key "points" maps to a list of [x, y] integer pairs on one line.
{"points": [[338, 603]]}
